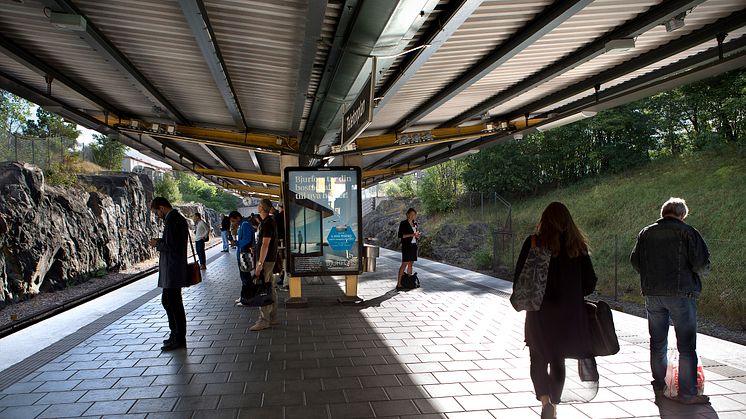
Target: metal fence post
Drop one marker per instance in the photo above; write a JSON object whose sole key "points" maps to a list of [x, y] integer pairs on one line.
{"points": [[481, 194], [616, 267], [495, 250]]}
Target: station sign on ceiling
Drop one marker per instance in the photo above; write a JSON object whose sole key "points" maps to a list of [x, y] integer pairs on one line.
{"points": [[359, 115]]}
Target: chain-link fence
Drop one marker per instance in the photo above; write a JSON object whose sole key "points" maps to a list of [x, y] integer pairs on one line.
{"points": [[42, 152]]}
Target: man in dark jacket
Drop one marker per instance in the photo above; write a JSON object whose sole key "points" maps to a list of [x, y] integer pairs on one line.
{"points": [[672, 258], [172, 269]]}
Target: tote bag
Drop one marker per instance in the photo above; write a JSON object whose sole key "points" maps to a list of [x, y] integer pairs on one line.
{"points": [[601, 327], [529, 288]]}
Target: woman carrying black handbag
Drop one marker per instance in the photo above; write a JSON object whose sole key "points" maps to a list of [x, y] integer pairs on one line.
{"points": [[408, 234], [559, 329]]}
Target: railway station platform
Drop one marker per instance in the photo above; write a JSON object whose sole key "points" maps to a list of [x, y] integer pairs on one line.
{"points": [[451, 349]]}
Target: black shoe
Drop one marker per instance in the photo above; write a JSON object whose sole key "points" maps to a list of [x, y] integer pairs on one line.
{"points": [[167, 341], [548, 411], [223, 251], [173, 345]]}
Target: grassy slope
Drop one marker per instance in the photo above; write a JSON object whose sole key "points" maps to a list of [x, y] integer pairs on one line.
{"points": [[714, 185]]}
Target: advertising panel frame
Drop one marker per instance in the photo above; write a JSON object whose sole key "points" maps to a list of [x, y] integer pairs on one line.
{"points": [[320, 253]]}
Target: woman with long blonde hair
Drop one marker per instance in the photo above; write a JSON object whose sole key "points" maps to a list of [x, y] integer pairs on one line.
{"points": [[559, 329]]}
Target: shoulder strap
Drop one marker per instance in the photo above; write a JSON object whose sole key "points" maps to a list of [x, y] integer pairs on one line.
{"points": [[194, 254]]}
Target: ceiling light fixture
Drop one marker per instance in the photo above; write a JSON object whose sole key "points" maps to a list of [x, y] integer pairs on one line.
{"points": [[68, 21], [676, 22], [619, 45], [565, 120]]}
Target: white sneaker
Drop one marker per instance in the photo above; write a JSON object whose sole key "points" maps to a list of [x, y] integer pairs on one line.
{"points": [[238, 300], [260, 324]]}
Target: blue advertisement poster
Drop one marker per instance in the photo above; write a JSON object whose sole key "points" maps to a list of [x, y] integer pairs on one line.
{"points": [[323, 228]]}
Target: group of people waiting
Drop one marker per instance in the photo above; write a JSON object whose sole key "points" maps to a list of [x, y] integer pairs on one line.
{"points": [[257, 235]]}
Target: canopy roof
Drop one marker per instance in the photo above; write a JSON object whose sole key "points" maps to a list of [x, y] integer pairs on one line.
{"points": [[223, 87]]}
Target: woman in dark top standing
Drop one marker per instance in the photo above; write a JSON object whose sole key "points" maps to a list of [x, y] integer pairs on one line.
{"points": [[408, 234], [559, 329]]}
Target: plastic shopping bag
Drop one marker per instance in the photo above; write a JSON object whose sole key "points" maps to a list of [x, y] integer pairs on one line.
{"points": [[672, 375]]}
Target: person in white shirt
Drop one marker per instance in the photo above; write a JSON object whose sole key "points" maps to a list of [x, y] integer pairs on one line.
{"points": [[201, 234]]}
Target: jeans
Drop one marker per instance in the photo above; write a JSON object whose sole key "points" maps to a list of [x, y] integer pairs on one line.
{"points": [[547, 381], [172, 302], [200, 244], [683, 312], [224, 235]]}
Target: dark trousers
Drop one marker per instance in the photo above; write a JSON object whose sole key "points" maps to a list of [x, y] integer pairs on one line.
{"points": [[171, 300], [548, 375], [201, 252]]}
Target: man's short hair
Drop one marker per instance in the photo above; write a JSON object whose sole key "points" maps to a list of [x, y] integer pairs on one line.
{"points": [[676, 207], [234, 215], [160, 201], [266, 204]]}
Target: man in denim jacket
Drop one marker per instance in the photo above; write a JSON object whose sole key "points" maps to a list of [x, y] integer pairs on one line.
{"points": [[672, 258]]}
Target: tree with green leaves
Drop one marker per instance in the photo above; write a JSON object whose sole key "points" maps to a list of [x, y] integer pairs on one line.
{"points": [[14, 112], [193, 189], [168, 188], [441, 185], [107, 153], [48, 125]]}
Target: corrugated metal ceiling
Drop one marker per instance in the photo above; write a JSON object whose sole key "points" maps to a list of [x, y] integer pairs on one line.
{"points": [[262, 49]]}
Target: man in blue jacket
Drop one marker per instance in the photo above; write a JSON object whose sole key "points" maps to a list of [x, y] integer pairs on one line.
{"points": [[672, 258], [172, 269]]}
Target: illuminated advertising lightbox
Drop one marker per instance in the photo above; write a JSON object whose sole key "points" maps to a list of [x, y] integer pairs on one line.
{"points": [[323, 230]]}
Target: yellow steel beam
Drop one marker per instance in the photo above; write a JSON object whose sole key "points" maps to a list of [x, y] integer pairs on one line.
{"points": [[391, 142], [520, 123], [274, 180], [367, 174], [255, 190], [264, 143]]}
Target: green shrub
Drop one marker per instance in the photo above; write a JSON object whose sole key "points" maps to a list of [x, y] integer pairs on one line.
{"points": [[63, 174], [483, 259]]}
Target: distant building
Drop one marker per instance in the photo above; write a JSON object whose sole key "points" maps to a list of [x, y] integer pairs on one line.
{"points": [[135, 165]]}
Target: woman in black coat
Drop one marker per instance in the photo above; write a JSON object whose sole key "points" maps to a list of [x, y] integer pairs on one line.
{"points": [[408, 234], [559, 329]]}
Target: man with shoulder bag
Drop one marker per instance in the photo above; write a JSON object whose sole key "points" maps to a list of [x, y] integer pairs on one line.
{"points": [[265, 261], [172, 269], [672, 258]]}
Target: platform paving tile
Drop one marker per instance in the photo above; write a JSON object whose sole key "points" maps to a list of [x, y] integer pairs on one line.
{"points": [[447, 350]]}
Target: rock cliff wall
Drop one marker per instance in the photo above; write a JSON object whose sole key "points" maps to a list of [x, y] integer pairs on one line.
{"points": [[52, 237]]}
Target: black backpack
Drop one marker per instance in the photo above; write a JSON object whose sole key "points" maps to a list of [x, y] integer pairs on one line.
{"points": [[409, 281]]}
